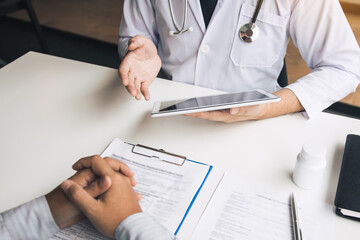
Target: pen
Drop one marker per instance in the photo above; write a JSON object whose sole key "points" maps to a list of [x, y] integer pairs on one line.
{"points": [[295, 219]]}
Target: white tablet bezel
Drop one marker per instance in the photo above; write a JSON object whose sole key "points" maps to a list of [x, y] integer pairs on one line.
{"points": [[271, 98]]}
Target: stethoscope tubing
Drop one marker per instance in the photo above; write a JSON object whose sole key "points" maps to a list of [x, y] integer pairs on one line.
{"points": [[243, 30], [182, 29], [257, 11]]}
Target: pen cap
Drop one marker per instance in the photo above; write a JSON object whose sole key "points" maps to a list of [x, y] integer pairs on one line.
{"points": [[310, 165]]}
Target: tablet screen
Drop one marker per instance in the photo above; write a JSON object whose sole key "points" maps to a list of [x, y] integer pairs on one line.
{"points": [[212, 101]]}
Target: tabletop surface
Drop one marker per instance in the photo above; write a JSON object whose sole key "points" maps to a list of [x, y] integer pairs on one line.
{"points": [[55, 111]]}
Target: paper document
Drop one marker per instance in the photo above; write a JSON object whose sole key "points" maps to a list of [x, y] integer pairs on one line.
{"points": [[168, 190], [240, 210]]}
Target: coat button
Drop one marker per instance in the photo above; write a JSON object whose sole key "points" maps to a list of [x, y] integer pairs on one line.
{"points": [[205, 48]]}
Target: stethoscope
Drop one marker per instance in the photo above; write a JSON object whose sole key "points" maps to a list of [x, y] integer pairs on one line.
{"points": [[181, 30], [248, 32]]}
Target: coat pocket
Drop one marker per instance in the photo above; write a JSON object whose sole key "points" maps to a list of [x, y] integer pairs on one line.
{"points": [[265, 51]]}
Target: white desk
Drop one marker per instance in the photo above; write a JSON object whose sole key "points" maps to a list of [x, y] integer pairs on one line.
{"points": [[54, 111]]}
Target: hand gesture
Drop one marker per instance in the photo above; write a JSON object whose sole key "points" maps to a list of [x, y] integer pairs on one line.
{"points": [[140, 66]]}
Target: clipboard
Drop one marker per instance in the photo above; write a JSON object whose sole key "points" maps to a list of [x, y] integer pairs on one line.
{"points": [[160, 154], [173, 162], [117, 149]]}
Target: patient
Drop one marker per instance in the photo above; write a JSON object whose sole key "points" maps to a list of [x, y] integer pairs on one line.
{"points": [[101, 190]]}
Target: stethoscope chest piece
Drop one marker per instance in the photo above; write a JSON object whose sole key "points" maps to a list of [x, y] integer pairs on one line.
{"points": [[249, 32]]}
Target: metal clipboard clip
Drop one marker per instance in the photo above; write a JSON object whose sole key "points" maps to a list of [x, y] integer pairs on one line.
{"points": [[160, 154]]}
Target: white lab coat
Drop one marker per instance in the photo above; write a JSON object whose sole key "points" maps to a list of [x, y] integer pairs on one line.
{"points": [[215, 57]]}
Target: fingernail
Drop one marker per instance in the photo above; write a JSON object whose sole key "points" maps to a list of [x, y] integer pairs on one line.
{"points": [[104, 181], [65, 185], [234, 111], [139, 197]]}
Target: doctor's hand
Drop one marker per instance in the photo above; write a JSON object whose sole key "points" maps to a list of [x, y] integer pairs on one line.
{"points": [[64, 212], [289, 103], [140, 66], [233, 115], [111, 208]]}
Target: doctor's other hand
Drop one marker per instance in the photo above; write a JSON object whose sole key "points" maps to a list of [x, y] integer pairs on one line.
{"points": [[108, 210], [289, 103], [232, 115], [140, 66]]}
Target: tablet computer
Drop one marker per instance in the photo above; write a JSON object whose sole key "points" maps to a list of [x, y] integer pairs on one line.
{"points": [[211, 103]]}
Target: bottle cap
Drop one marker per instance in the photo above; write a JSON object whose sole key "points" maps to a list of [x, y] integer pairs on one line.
{"points": [[313, 152]]}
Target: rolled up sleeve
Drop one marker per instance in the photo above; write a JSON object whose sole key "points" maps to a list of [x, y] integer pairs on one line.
{"points": [[326, 42]]}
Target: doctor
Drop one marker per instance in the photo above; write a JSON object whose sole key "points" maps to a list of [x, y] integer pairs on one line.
{"points": [[204, 43]]}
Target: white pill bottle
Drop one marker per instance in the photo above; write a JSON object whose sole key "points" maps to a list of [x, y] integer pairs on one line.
{"points": [[310, 165]]}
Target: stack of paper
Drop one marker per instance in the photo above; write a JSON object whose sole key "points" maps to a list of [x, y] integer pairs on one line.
{"points": [[241, 210]]}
